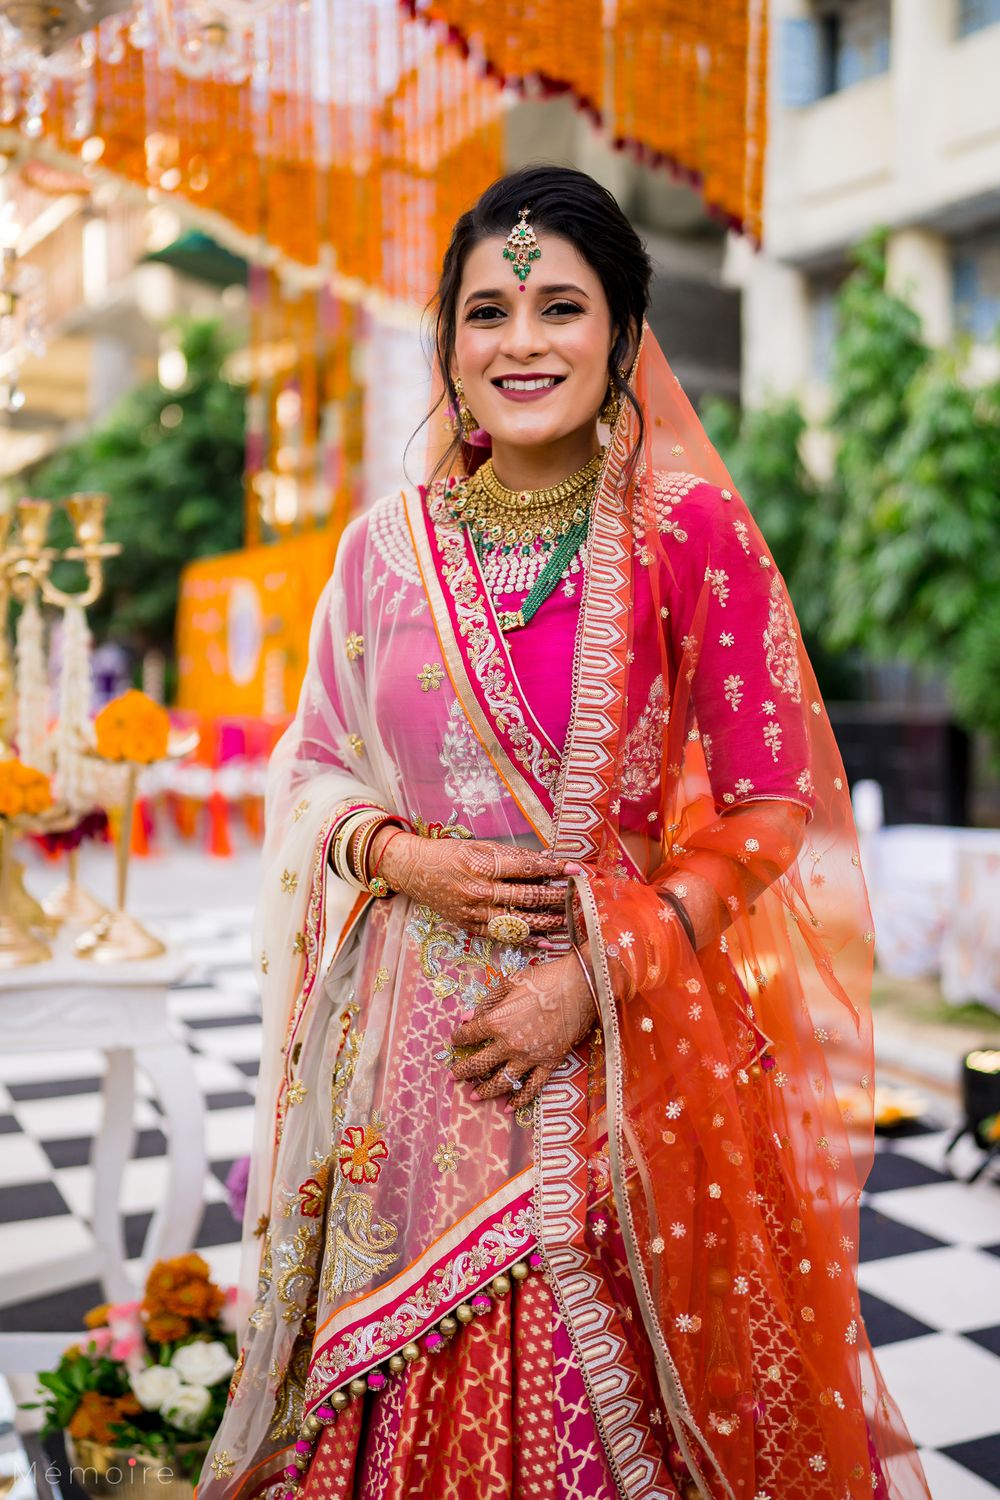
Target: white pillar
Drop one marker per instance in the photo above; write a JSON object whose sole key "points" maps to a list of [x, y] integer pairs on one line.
{"points": [[918, 269]]}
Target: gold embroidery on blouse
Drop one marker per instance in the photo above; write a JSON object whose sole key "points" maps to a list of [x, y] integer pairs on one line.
{"points": [[641, 751], [781, 644]]}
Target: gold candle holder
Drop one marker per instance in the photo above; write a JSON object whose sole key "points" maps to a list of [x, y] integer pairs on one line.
{"points": [[72, 903], [18, 946], [117, 937]]}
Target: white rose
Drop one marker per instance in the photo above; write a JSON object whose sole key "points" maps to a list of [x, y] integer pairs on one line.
{"points": [[155, 1386], [188, 1407], [203, 1363]]}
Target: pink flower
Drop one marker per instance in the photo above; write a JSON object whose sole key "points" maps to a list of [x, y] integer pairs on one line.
{"points": [[125, 1348], [100, 1338], [122, 1310]]}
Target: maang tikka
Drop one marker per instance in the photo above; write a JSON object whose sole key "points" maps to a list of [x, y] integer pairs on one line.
{"points": [[521, 248]]}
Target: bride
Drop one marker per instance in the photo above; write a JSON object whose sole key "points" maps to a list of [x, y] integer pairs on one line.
{"points": [[565, 952]]}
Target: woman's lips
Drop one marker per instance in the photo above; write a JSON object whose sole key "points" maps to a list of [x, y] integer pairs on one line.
{"points": [[513, 394]]}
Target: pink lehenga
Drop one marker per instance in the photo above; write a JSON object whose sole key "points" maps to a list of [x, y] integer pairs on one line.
{"points": [[645, 1285]]}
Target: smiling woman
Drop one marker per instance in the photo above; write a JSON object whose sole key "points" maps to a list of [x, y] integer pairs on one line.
{"points": [[551, 1193]]}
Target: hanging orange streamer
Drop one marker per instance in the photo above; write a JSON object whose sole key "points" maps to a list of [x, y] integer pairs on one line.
{"points": [[679, 84], [357, 167]]}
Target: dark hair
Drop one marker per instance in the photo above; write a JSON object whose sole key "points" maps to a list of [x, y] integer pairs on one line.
{"points": [[566, 202]]}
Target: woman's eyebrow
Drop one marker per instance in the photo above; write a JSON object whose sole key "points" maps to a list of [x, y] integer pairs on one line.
{"points": [[496, 294]]}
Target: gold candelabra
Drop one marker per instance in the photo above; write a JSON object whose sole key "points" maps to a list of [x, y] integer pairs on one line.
{"points": [[25, 571], [26, 563]]}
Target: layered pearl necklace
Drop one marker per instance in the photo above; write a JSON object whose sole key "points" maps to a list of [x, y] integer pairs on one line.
{"points": [[528, 541]]}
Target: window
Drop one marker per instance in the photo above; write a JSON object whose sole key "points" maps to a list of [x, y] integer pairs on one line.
{"points": [[842, 42], [823, 295], [973, 15], [976, 285]]}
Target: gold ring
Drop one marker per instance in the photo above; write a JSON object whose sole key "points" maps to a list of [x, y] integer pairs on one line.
{"points": [[507, 927]]}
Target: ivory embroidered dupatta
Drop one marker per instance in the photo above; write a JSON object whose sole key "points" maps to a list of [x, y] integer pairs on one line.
{"points": [[700, 1126]]}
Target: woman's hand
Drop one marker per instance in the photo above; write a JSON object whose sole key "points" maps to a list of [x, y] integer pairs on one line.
{"points": [[469, 881], [537, 1017]]}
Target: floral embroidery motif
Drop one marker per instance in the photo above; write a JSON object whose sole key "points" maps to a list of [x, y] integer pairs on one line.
{"points": [[772, 739], [471, 778], [223, 1465], [641, 751], [356, 743], [296, 1092], [354, 646], [361, 1153], [358, 1245], [289, 882], [430, 676], [312, 1193], [719, 580], [733, 687], [446, 1157], [296, 1257], [781, 644], [300, 808], [743, 532]]}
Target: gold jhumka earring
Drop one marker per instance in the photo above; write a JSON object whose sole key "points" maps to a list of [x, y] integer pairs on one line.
{"points": [[465, 423], [609, 412]]}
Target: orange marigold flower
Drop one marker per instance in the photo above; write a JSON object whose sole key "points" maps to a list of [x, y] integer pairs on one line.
{"points": [[95, 1414], [132, 727], [97, 1317], [361, 1153], [166, 1328], [22, 789]]}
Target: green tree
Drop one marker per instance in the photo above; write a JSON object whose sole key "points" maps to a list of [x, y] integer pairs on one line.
{"points": [[878, 352], [172, 463], [762, 447]]}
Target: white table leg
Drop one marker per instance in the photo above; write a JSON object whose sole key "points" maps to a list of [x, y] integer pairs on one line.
{"points": [[171, 1071], [111, 1150]]}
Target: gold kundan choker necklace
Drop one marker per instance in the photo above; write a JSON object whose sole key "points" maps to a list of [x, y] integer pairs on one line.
{"points": [[527, 540], [496, 514]]}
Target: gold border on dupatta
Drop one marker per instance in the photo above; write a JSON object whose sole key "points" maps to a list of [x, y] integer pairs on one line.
{"points": [[675, 1400], [516, 783]]}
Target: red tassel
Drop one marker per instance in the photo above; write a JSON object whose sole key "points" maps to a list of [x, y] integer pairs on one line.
{"points": [[219, 842], [141, 825]]}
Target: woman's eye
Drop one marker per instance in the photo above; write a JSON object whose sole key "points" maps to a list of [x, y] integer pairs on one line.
{"points": [[480, 314], [563, 307]]}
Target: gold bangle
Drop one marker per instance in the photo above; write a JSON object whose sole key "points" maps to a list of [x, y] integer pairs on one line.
{"points": [[685, 916], [587, 976]]}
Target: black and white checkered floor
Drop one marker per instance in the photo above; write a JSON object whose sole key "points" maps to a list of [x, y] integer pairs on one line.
{"points": [[930, 1245]]}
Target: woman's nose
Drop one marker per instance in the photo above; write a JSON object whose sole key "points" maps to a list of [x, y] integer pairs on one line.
{"points": [[523, 339]]}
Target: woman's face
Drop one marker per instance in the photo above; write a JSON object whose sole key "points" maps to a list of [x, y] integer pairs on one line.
{"points": [[532, 355]]}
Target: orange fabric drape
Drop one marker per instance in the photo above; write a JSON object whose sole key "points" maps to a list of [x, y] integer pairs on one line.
{"points": [[353, 157], [679, 84]]}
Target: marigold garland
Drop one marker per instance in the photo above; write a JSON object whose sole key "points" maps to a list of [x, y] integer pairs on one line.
{"points": [[23, 789], [132, 727]]}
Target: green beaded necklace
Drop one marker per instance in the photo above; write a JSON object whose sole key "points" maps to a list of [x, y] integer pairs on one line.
{"points": [[548, 579]]}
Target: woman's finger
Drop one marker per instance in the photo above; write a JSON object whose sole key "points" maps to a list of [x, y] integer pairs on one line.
{"points": [[539, 922], [500, 1083], [481, 1062], [526, 864], [528, 897], [533, 1085], [473, 1031]]}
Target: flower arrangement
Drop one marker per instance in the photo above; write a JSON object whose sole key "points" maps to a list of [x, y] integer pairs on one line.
{"points": [[132, 727], [23, 789], [151, 1377]]}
